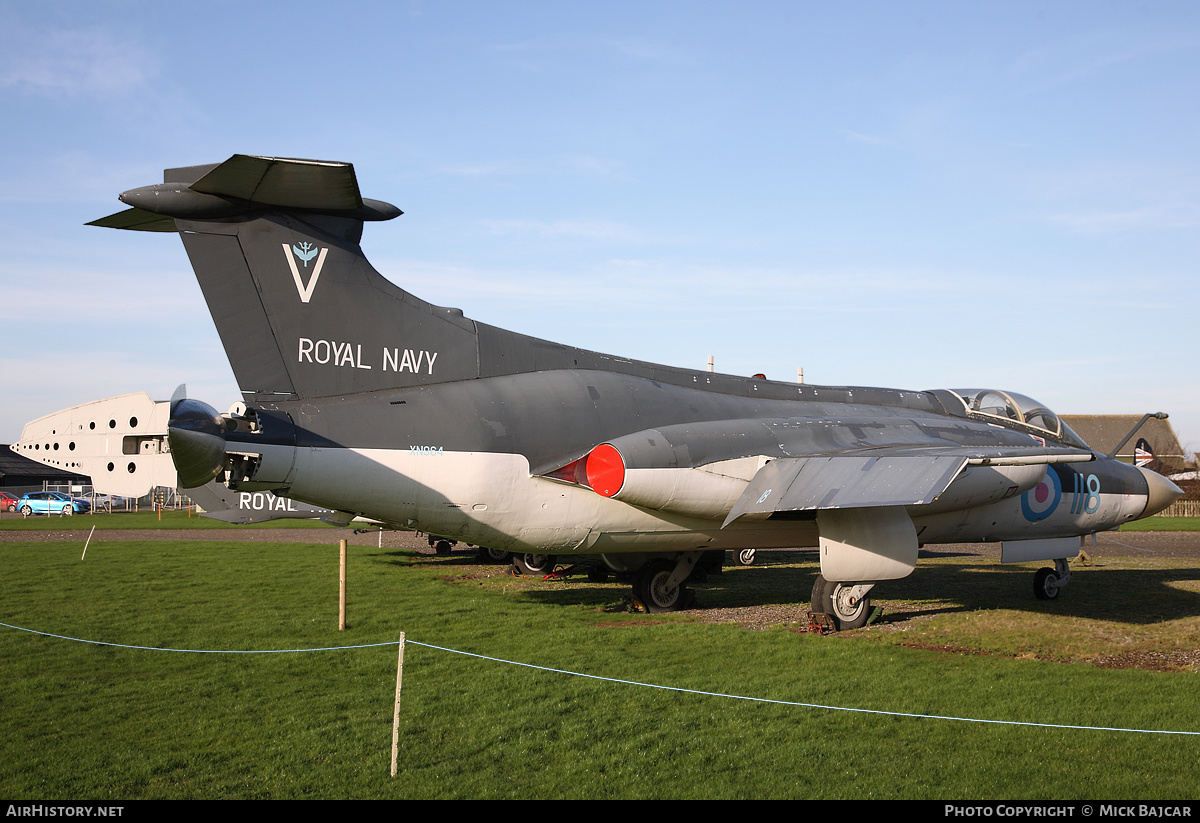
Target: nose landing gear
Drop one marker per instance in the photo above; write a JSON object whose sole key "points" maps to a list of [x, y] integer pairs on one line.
{"points": [[1047, 583]]}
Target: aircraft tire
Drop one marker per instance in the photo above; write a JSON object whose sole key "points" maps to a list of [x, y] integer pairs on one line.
{"points": [[650, 587], [487, 555], [535, 565], [833, 599], [817, 602], [1045, 584], [442, 547], [745, 557]]}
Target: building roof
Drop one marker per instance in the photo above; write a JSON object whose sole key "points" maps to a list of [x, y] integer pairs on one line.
{"points": [[1103, 431], [22, 470]]}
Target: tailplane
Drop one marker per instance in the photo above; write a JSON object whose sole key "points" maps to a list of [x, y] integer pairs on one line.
{"points": [[301, 312]]}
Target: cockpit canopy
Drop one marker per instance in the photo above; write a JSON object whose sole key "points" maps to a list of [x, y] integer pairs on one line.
{"points": [[1002, 406]]}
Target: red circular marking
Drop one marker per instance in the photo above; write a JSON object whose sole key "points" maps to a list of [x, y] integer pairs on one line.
{"points": [[1042, 493], [605, 470]]}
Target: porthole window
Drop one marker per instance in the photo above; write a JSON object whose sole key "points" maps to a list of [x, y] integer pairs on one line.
{"points": [[133, 422], [132, 468]]}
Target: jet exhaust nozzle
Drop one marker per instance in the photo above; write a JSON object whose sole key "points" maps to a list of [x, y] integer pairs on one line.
{"points": [[196, 435]]}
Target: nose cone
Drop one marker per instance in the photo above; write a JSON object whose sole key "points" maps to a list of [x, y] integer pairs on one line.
{"points": [[1161, 492]]}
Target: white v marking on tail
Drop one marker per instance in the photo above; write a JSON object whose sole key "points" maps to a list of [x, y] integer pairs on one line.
{"points": [[305, 291]]}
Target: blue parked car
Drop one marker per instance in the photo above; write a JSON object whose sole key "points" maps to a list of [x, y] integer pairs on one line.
{"points": [[52, 503]]}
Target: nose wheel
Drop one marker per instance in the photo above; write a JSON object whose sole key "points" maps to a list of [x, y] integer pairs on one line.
{"points": [[1047, 583]]}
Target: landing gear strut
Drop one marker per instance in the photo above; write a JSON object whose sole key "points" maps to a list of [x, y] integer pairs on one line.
{"points": [[847, 603]]}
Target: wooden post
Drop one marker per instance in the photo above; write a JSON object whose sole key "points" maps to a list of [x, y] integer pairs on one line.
{"points": [[342, 587], [396, 711]]}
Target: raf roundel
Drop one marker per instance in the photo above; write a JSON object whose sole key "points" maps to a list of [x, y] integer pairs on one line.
{"points": [[1040, 502]]}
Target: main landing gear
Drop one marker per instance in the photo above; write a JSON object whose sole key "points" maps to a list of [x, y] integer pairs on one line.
{"points": [[745, 557], [537, 565], [658, 584], [441, 546], [848, 604], [487, 555]]}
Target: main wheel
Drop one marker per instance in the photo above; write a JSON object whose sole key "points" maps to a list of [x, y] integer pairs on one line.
{"points": [[1045, 584], [745, 557], [836, 600], [442, 547], [487, 555], [534, 564], [651, 587]]}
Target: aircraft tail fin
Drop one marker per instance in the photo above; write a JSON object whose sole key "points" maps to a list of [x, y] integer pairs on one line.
{"points": [[301, 312]]}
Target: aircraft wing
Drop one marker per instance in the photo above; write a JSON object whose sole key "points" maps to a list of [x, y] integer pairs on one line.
{"points": [[879, 477]]}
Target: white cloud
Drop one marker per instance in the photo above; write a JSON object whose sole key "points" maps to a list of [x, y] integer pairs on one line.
{"points": [[78, 296], [1090, 53], [72, 62], [559, 164], [589, 229], [1175, 216], [870, 139]]}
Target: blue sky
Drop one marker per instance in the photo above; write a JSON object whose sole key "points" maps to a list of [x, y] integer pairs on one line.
{"points": [[916, 195]]}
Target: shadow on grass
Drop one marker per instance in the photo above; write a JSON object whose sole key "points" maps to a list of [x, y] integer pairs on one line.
{"points": [[1133, 596]]}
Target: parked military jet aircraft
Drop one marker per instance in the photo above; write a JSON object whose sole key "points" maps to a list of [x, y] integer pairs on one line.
{"points": [[363, 398]]}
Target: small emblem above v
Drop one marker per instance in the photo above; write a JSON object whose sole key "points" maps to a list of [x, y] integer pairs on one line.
{"points": [[305, 252]]}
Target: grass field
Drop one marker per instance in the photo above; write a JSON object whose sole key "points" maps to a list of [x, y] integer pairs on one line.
{"points": [[169, 519], [961, 638], [1163, 524]]}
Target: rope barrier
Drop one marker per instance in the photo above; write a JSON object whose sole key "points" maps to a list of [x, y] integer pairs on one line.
{"points": [[601, 678]]}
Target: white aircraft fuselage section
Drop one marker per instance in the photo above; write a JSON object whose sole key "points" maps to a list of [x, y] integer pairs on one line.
{"points": [[120, 442]]}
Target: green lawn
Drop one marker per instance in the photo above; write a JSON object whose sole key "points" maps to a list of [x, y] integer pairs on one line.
{"points": [[169, 519], [964, 639], [1163, 524]]}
